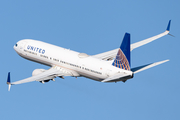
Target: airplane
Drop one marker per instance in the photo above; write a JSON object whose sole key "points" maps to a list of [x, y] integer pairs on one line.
{"points": [[111, 66]]}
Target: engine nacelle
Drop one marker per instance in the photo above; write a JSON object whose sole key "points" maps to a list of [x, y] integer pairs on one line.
{"points": [[38, 71]]}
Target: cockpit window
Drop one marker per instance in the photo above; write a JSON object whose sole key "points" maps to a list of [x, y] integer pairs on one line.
{"points": [[16, 45]]}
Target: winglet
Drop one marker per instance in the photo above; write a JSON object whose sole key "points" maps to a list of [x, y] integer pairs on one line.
{"points": [[9, 81], [168, 27]]}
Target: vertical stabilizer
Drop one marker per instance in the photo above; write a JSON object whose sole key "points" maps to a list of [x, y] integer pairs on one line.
{"points": [[122, 59]]}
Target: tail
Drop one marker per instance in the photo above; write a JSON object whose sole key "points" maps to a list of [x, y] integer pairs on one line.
{"points": [[122, 59]]}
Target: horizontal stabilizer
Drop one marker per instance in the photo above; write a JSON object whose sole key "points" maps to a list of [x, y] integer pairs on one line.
{"points": [[144, 67], [119, 77]]}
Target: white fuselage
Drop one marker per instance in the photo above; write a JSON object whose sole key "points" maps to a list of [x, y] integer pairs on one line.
{"points": [[80, 64]]}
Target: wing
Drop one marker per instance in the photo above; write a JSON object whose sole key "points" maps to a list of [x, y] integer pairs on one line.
{"points": [[47, 75], [148, 40], [112, 54]]}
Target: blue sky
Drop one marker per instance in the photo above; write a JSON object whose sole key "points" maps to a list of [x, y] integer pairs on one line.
{"points": [[92, 26]]}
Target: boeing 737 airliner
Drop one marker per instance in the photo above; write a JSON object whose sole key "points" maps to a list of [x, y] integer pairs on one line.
{"points": [[111, 66]]}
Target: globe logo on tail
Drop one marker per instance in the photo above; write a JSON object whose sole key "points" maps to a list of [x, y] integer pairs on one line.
{"points": [[121, 61]]}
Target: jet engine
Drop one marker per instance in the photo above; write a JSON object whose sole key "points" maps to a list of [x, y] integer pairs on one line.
{"points": [[39, 71], [44, 81]]}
